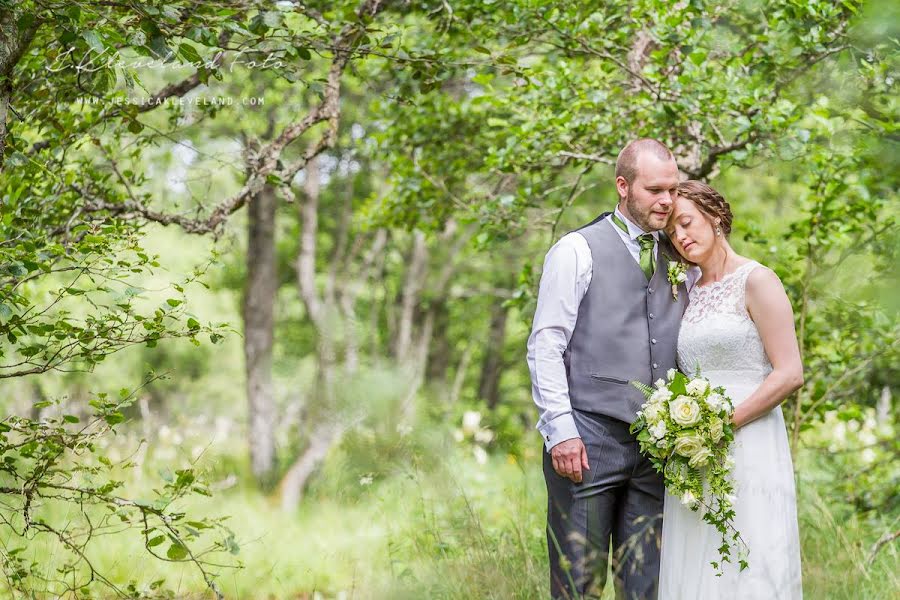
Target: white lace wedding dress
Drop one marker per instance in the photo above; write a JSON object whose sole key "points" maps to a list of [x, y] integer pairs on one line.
{"points": [[718, 334]]}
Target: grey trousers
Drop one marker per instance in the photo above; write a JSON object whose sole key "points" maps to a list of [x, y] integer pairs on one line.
{"points": [[620, 497]]}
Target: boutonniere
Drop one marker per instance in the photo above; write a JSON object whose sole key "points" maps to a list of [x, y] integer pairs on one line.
{"points": [[676, 272]]}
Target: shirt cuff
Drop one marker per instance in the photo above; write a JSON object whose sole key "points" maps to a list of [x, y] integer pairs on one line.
{"points": [[558, 430]]}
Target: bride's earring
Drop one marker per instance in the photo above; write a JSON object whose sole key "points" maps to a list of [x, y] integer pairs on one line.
{"points": [[718, 231]]}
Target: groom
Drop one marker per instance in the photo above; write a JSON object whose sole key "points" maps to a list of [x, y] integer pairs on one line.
{"points": [[606, 316]]}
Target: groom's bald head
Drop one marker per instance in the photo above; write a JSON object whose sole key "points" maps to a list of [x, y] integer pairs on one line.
{"points": [[627, 162]]}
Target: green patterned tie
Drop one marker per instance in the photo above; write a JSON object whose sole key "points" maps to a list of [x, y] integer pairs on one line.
{"points": [[646, 241]]}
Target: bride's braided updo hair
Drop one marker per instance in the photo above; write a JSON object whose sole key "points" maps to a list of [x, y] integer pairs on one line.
{"points": [[709, 201]]}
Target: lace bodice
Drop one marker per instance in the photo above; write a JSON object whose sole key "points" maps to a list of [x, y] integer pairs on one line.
{"points": [[718, 335]]}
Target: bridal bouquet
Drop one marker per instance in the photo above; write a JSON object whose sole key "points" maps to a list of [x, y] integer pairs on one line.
{"points": [[685, 430]]}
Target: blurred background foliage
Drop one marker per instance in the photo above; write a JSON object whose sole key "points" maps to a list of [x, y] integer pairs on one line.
{"points": [[270, 323]]}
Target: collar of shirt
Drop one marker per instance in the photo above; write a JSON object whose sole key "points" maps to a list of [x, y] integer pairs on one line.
{"points": [[633, 230]]}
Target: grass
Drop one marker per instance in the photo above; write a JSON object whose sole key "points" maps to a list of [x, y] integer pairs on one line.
{"points": [[446, 527]]}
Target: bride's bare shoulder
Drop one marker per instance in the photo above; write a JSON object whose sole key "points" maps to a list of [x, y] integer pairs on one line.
{"points": [[764, 289]]}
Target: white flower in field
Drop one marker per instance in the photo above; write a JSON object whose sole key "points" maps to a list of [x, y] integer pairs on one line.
{"points": [[404, 429], [716, 429], [484, 436], [366, 479], [869, 422], [688, 499], [480, 455], [840, 431], [700, 458], [685, 411], [853, 425], [470, 421], [458, 435], [868, 456], [688, 445], [670, 374], [697, 387], [658, 431], [867, 438]]}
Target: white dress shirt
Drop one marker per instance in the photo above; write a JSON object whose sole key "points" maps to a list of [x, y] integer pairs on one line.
{"points": [[565, 278]]}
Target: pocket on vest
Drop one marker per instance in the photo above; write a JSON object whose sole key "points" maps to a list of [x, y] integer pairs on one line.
{"points": [[608, 379]]}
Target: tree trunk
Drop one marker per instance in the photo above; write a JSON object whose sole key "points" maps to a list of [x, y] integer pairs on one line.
{"points": [[410, 296], [294, 481], [459, 378], [492, 365], [440, 352], [326, 433], [258, 313], [13, 43]]}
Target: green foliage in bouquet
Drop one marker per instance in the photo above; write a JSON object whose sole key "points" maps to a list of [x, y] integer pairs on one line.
{"points": [[685, 430]]}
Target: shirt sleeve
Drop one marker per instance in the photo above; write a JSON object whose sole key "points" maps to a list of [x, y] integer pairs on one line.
{"points": [[564, 280]]}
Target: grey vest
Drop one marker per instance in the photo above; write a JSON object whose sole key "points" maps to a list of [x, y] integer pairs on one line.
{"points": [[627, 327]]}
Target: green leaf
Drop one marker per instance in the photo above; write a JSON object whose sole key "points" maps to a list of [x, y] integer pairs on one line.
{"points": [[114, 418], [177, 551], [190, 54], [697, 57], [93, 40]]}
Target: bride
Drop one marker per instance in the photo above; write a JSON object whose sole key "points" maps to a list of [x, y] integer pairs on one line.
{"points": [[739, 329]]}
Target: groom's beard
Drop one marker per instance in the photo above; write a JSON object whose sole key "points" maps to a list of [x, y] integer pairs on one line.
{"points": [[639, 217]]}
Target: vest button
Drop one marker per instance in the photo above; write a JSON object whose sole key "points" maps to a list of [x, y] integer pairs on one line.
{"points": [[653, 341], [649, 290], [655, 366], [650, 315]]}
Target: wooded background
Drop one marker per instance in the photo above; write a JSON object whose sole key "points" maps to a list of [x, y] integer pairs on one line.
{"points": [[268, 271]]}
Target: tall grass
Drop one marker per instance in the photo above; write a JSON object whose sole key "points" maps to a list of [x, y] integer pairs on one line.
{"points": [[445, 524]]}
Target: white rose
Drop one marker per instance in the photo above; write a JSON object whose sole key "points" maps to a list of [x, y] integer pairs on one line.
{"points": [[684, 411], [697, 387], [670, 374], [658, 431], [682, 277], [662, 444], [660, 384], [688, 445], [729, 462], [716, 429], [651, 412], [688, 499], [700, 458]]}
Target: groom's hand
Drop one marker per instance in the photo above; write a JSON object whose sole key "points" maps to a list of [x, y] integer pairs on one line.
{"points": [[569, 457]]}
